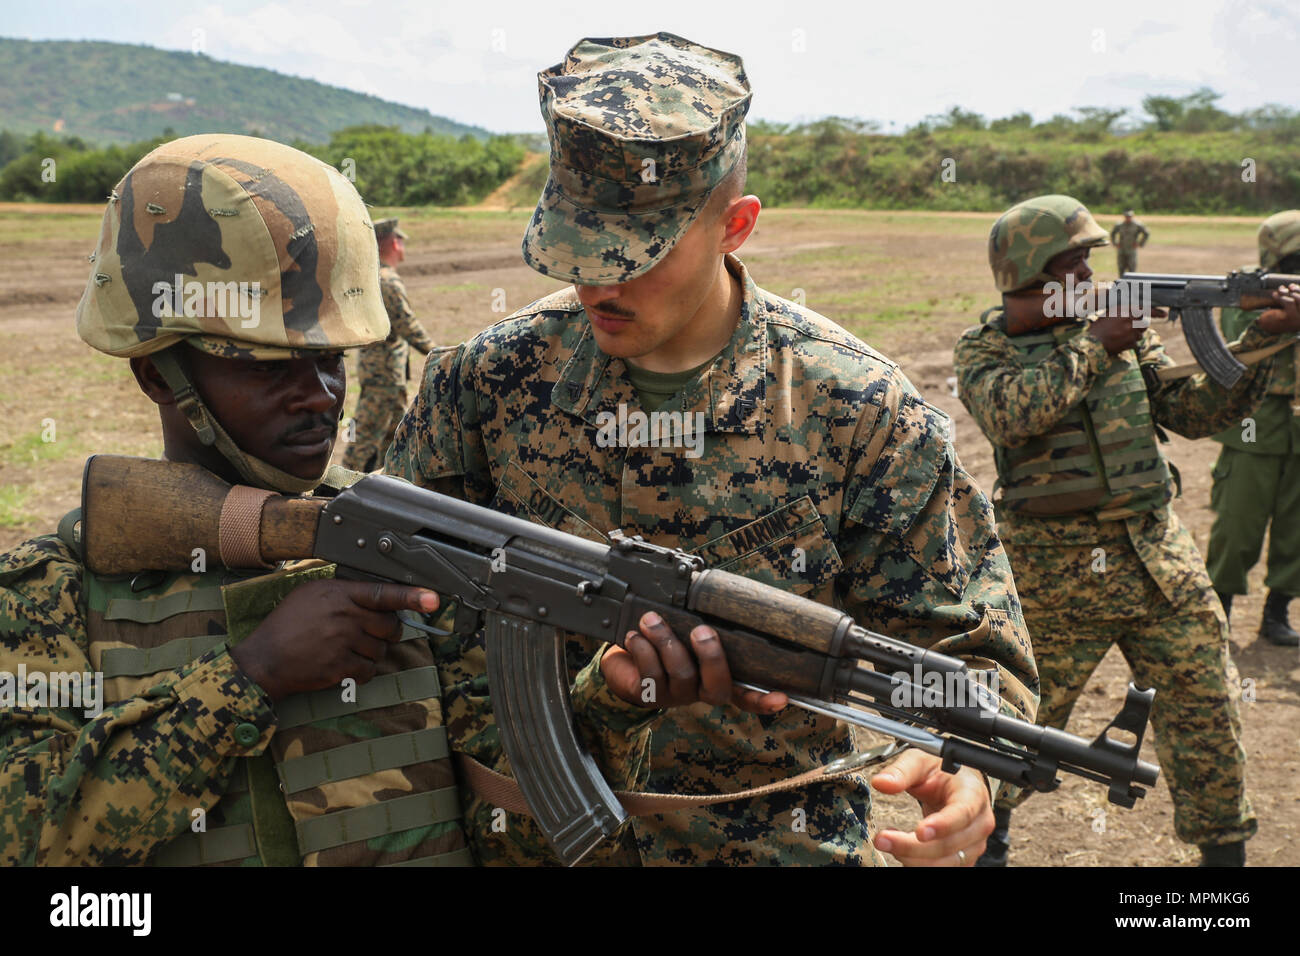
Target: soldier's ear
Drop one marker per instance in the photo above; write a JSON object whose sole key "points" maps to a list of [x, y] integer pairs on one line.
{"points": [[739, 218], [151, 381]]}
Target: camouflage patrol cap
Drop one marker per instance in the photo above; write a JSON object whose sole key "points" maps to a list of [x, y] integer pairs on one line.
{"points": [[1279, 237], [642, 129], [387, 227], [243, 247], [1030, 233]]}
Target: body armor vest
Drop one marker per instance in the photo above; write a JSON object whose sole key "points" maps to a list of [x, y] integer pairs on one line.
{"points": [[346, 781], [1100, 458]]}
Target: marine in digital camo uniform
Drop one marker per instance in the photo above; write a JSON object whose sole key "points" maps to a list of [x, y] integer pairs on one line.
{"points": [[382, 367], [1129, 236], [1257, 477], [822, 471], [1073, 413]]}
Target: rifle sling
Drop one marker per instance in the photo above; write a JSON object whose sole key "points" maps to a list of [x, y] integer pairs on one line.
{"points": [[501, 791], [1173, 372]]}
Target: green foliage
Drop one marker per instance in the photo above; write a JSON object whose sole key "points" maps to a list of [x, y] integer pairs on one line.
{"points": [[117, 92], [393, 168], [998, 163]]}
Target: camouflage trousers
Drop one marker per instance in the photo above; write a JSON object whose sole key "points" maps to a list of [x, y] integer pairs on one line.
{"points": [[1253, 493], [1126, 260], [379, 409], [1184, 654]]}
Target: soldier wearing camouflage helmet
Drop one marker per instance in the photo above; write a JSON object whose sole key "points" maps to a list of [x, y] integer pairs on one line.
{"points": [[232, 272], [1072, 408], [382, 367], [795, 454], [1257, 476]]}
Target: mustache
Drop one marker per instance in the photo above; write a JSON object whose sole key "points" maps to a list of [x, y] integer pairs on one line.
{"points": [[310, 423], [617, 311]]}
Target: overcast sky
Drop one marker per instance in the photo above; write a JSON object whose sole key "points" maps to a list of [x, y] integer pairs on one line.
{"points": [[895, 62]]}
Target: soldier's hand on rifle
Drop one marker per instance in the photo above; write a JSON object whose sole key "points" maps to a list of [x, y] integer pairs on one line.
{"points": [[678, 674], [1285, 316], [1116, 332], [958, 815], [325, 631]]}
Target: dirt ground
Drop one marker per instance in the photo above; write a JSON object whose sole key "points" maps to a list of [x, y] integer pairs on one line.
{"points": [[907, 283]]}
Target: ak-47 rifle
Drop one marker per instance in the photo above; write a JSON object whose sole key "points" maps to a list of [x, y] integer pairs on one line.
{"points": [[1193, 298], [521, 581]]}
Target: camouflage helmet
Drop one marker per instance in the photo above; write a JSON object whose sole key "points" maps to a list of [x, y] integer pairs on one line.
{"points": [[1279, 237], [1030, 233], [244, 247], [239, 247]]}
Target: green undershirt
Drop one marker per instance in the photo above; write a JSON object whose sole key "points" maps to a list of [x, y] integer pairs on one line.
{"points": [[655, 388]]}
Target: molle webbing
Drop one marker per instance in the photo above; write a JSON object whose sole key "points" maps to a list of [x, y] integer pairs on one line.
{"points": [[153, 610], [384, 691], [322, 791], [220, 845], [367, 756], [1099, 458], [138, 661]]}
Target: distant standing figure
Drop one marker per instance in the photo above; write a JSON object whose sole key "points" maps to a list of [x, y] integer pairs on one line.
{"points": [[1128, 236], [382, 367]]}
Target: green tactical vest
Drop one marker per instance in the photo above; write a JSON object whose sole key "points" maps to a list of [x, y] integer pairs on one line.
{"points": [[362, 782], [1100, 458]]}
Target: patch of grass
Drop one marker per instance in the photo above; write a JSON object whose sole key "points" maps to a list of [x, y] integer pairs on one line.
{"points": [[461, 287], [12, 501], [31, 449]]}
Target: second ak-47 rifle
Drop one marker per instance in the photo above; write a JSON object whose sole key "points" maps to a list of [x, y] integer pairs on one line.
{"points": [[521, 581], [1193, 298]]}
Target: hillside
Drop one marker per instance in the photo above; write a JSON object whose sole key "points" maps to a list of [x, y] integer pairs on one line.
{"points": [[120, 93]]}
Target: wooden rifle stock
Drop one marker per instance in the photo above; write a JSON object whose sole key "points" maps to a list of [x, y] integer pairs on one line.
{"points": [[140, 514]]}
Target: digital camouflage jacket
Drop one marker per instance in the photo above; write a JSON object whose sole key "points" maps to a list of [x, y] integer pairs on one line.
{"points": [[1013, 402], [822, 472]]}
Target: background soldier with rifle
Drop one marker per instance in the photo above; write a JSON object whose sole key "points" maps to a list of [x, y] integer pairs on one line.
{"points": [[1073, 410], [1257, 476], [822, 471]]}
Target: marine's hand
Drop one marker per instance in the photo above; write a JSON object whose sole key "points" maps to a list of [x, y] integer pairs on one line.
{"points": [[676, 677], [325, 631], [958, 815], [1285, 316], [1116, 332]]}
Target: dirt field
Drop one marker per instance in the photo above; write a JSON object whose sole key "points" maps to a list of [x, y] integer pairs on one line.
{"points": [[905, 282]]}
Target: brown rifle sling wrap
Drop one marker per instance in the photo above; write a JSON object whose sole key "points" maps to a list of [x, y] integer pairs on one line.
{"points": [[240, 529], [1173, 372], [498, 790]]}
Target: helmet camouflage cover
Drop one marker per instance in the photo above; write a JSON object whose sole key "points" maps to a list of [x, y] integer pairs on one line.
{"points": [[244, 247], [1030, 233], [1279, 237]]}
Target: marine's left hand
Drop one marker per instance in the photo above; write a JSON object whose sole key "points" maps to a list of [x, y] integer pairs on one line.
{"points": [[958, 816], [1285, 315]]}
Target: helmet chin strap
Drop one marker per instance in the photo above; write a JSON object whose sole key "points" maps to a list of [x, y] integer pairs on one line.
{"points": [[255, 471]]}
